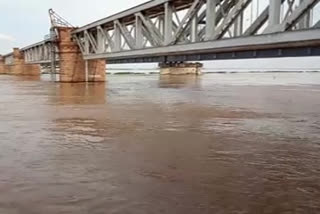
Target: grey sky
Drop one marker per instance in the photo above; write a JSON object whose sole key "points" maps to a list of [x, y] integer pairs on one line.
{"points": [[23, 22]]}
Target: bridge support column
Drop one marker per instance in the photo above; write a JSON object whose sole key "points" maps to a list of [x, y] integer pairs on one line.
{"points": [[2, 65], [96, 70], [20, 67], [72, 65], [73, 68], [180, 68]]}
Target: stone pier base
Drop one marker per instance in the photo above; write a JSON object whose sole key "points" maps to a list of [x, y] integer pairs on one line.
{"points": [[19, 66], [2, 66], [180, 68], [97, 70], [2, 69], [73, 68], [23, 69]]}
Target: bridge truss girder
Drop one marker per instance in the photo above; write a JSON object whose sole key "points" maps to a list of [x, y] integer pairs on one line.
{"points": [[40, 53], [162, 23], [166, 24]]}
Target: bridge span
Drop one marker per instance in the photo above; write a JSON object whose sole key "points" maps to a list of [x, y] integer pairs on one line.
{"points": [[175, 31]]}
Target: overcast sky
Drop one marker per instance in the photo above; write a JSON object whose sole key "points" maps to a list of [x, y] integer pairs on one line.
{"points": [[23, 22]]}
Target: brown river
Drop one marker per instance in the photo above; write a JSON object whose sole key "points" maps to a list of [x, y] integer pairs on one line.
{"points": [[144, 144]]}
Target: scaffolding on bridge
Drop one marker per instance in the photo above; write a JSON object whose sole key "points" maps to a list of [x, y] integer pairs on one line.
{"points": [[56, 21]]}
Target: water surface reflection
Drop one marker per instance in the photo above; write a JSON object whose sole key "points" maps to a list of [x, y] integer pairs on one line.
{"points": [[179, 81], [82, 93]]}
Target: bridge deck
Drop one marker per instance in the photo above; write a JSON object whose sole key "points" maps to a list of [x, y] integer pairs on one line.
{"points": [[306, 43]]}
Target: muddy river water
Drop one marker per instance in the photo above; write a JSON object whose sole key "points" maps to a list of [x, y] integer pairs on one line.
{"points": [[144, 144]]}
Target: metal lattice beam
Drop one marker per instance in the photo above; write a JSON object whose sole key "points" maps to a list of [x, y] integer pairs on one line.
{"points": [[166, 24]]}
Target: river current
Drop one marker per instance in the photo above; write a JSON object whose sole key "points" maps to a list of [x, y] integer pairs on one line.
{"points": [[145, 144]]}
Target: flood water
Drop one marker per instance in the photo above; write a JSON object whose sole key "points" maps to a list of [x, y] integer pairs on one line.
{"points": [[144, 144]]}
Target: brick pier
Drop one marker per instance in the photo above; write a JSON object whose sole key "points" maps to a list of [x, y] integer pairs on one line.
{"points": [[18, 65], [2, 66], [73, 68], [180, 68]]}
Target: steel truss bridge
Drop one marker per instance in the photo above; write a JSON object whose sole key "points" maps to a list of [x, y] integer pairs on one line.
{"points": [[195, 30]]}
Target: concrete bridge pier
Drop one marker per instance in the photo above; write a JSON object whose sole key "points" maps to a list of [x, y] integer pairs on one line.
{"points": [[73, 68], [180, 68]]}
